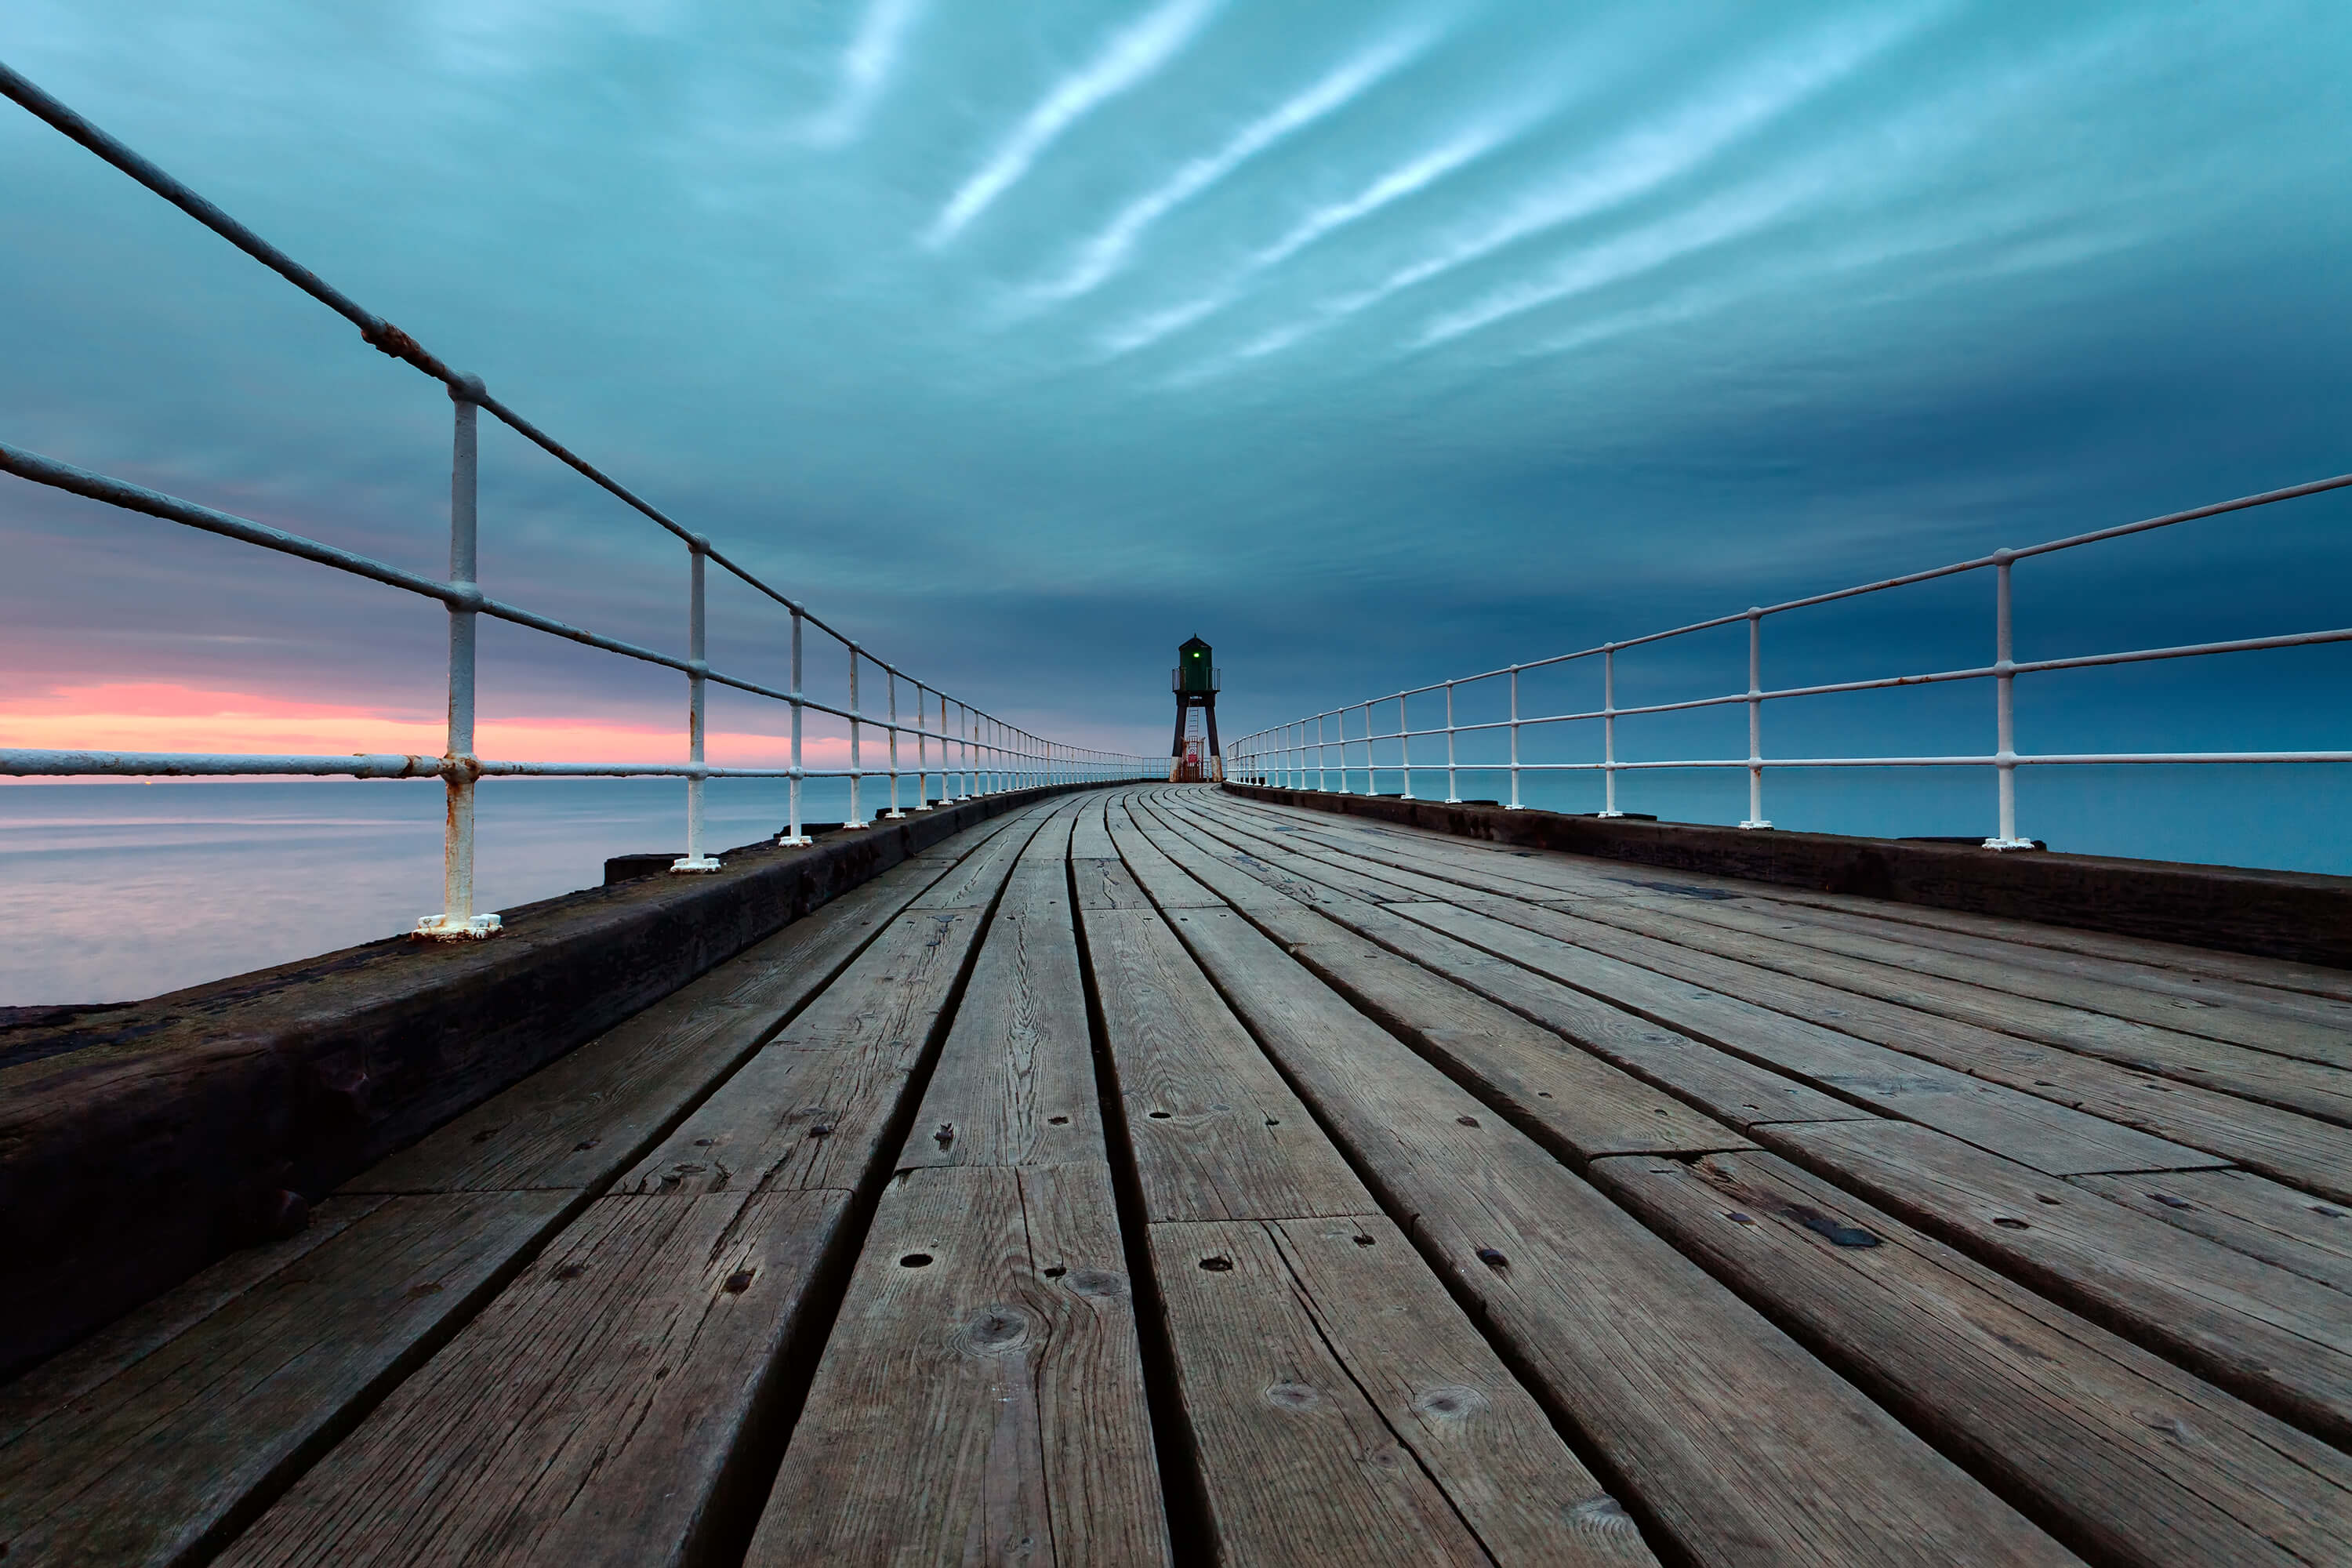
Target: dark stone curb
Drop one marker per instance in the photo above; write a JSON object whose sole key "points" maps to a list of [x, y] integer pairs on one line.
{"points": [[2295, 915], [138, 1143]]}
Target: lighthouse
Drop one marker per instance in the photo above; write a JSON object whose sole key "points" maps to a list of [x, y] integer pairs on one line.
{"points": [[1194, 682]]}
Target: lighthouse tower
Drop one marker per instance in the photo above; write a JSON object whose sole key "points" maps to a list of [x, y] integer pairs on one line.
{"points": [[1194, 682]]}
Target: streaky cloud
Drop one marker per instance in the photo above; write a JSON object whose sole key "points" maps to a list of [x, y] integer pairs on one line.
{"points": [[1131, 57], [1110, 247], [866, 70], [1414, 175], [1646, 159], [1710, 223]]}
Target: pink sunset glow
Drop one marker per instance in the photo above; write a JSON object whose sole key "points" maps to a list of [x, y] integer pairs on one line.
{"points": [[159, 716]]}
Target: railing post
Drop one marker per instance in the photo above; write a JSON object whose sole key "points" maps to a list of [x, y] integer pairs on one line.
{"points": [[1515, 739], [1405, 744], [1609, 731], [1322, 759], [698, 663], [792, 836], [922, 750], [1453, 789], [857, 768], [890, 679], [457, 922], [1372, 787], [2005, 709], [1754, 817]]}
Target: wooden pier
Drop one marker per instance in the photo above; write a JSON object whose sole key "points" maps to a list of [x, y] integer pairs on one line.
{"points": [[1157, 1176]]}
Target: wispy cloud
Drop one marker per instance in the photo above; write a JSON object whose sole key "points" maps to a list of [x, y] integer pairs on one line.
{"points": [[1651, 156], [1128, 60], [1692, 229], [1414, 175], [865, 68], [1110, 247]]}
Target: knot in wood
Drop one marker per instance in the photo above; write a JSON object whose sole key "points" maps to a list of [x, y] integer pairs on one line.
{"points": [[1292, 1397], [995, 1330], [1450, 1402]]}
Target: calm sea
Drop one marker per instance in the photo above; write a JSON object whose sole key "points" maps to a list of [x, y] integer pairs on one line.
{"points": [[112, 892]]}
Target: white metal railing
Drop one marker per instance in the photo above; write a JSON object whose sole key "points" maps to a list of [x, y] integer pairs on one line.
{"points": [[978, 754], [1306, 754]]}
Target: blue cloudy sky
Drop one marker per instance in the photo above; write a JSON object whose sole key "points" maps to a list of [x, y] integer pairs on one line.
{"points": [[1375, 340]]}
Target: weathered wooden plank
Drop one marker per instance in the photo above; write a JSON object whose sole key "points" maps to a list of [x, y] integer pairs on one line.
{"points": [[2128, 1458], [162, 1462], [2278, 975], [2274, 1339], [580, 1120], [1727, 1086], [2048, 1136], [1151, 868], [590, 1414], [2209, 1015], [1050, 845], [1301, 876], [2275, 974], [809, 1110], [1432, 866], [981, 1396], [2158, 1034], [1741, 1446], [1107, 885], [2293, 1148], [2195, 989], [2311, 1087], [76, 1375], [1015, 1083], [1293, 867], [1215, 1134], [1439, 1385], [2261, 1218], [1102, 1472], [1298, 1465], [973, 881], [1089, 839], [2290, 1147], [2101, 1014], [1575, 1103], [1578, 1104]]}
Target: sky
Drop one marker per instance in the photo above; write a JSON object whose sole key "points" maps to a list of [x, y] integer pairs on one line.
{"points": [[1374, 342]]}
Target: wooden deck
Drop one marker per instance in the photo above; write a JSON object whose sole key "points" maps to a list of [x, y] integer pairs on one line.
{"points": [[1158, 1176]]}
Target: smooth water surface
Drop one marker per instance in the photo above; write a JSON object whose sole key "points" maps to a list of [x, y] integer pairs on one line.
{"points": [[112, 893]]}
